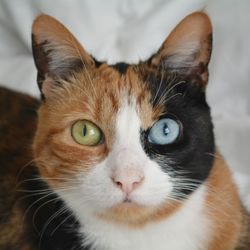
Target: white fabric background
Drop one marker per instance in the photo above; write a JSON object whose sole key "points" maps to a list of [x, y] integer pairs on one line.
{"points": [[130, 30]]}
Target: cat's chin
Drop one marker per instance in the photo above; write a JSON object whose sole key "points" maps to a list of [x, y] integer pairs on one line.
{"points": [[126, 212], [133, 214]]}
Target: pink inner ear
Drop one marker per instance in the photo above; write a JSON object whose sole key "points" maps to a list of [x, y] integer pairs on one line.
{"points": [[58, 43], [189, 44]]}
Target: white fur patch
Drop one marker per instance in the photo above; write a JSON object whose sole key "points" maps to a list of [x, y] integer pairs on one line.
{"points": [[187, 229]]}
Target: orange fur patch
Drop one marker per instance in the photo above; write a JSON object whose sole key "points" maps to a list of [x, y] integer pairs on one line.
{"points": [[136, 216], [223, 207]]}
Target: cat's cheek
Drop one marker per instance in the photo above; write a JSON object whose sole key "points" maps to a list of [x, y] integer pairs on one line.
{"points": [[97, 191], [98, 186]]}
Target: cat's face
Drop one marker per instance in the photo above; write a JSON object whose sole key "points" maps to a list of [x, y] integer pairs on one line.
{"points": [[124, 142]]}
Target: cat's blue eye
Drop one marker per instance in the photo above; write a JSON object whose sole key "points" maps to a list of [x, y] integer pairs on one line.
{"points": [[163, 132]]}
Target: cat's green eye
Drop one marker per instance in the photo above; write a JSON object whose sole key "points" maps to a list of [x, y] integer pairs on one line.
{"points": [[86, 133]]}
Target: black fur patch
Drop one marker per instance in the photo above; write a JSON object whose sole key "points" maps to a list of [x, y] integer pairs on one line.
{"points": [[190, 158], [120, 67], [45, 231], [97, 63]]}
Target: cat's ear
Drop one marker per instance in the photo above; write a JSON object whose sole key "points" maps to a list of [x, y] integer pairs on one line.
{"points": [[56, 51], [187, 49]]}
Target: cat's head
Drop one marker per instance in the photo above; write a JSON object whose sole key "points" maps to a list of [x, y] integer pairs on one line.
{"points": [[127, 143]]}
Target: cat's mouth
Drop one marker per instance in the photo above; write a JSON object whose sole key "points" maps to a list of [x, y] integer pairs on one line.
{"points": [[127, 206], [127, 202]]}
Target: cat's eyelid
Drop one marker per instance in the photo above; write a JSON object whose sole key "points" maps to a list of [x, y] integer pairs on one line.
{"points": [[167, 115], [70, 119]]}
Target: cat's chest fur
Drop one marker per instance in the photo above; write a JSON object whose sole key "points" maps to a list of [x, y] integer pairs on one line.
{"points": [[187, 229]]}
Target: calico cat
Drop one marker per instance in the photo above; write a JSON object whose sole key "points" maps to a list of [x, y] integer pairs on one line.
{"points": [[123, 156]]}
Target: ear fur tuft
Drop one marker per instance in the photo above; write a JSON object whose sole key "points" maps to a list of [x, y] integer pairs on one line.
{"points": [[56, 51]]}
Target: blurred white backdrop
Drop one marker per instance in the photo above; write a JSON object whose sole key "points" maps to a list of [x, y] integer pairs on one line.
{"points": [[131, 30]]}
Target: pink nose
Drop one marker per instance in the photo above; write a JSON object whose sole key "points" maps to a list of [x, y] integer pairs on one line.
{"points": [[128, 181]]}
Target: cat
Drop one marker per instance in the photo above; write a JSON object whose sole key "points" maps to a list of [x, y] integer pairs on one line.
{"points": [[116, 157]]}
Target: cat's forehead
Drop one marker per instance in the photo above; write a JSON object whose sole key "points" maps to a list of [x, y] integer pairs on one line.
{"points": [[105, 90]]}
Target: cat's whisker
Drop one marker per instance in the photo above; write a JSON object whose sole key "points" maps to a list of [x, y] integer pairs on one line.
{"points": [[168, 82], [51, 218], [41, 191], [70, 215], [182, 178], [217, 156], [172, 96], [33, 194], [48, 178], [42, 205], [84, 64], [26, 211], [75, 85], [71, 184], [161, 99], [35, 202], [157, 92], [186, 184], [23, 168]]}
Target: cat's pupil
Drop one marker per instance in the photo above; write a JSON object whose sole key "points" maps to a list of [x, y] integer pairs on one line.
{"points": [[84, 130], [165, 129]]}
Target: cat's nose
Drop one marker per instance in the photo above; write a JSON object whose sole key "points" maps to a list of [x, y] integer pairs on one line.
{"points": [[128, 180]]}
